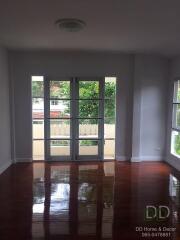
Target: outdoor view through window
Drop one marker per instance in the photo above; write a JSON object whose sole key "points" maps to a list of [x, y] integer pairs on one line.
{"points": [[59, 113], [175, 135]]}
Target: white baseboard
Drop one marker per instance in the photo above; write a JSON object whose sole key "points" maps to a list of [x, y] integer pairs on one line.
{"points": [[122, 158], [136, 159], [5, 166], [23, 160], [147, 158]]}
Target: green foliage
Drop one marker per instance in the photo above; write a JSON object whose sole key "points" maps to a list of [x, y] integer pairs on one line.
{"points": [[177, 144], [109, 104], [37, 89], [88, 143], [87, 90], [59, 143], [60, 89], [90, 108], [177, 114]]}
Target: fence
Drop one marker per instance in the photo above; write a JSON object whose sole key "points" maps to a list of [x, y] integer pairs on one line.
{"points": [[85, 130]]}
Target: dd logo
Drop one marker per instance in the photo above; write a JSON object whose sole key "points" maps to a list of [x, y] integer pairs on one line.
{"points": [[159, 213]]}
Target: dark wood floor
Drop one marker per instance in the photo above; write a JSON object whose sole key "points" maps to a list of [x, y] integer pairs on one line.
{"points": [[87, 201]]}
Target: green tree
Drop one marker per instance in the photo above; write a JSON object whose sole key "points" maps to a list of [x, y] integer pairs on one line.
{"points": [[87, 90], [177, 144], [37, 89], [90, 108]]}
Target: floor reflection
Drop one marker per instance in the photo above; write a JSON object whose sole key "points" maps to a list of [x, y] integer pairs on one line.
{"points": [[101, 200], [174, 193], [73, 200]]}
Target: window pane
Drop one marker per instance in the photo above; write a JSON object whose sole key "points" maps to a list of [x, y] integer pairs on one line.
{"points": [[88, 128], [109, 128], [175, 143], [38, 108], [177, 91], [88, 89], [59, 108], [59, 128], [38, 128], [88, 147], [59, 147], [60, 89], [88, 108], [38, 149], [109, 108], [109, 149], [176, 115], [37, 86], [110, 87]]}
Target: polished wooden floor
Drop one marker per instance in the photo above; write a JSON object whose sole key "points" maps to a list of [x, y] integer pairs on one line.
{"points": [[88, 201]]}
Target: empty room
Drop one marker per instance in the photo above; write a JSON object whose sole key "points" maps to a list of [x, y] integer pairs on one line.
{"points": [[89, 120]]}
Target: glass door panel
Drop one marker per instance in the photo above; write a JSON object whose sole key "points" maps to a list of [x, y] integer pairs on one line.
{"points": [[60, 89], [60, 128], [88, 147], [58, 120], [88, 128], [88, 108], [74, 126], [89, 119], [59, 148]]}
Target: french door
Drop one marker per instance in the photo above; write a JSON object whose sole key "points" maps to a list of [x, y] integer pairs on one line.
{"points": [[74, 119]]}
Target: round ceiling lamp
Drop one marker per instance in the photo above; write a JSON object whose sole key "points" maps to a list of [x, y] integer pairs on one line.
{"points": [[70, 24]]}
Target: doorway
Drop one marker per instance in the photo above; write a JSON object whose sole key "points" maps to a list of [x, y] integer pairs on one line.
{"points": [[78, 118]]}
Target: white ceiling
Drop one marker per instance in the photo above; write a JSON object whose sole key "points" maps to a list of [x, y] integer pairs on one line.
{"points": [[145, 26]]}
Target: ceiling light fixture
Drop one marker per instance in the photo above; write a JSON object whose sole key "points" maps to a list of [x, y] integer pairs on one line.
{"points": [[70, 24]]}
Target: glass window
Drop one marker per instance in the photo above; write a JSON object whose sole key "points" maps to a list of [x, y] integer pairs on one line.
{"points": [[109, 128], [177, 92], [175, 134], [109, 149], [37, 90], [60, 110], [88, 128], [60, 89], [38, 149], [176, 115], [88, 89], [38, 129], [59, 128], [109, 117], [88, 108], [175, 143], [37, 86], [109, 108], [88, 147], [60, 148], [110, 88]]}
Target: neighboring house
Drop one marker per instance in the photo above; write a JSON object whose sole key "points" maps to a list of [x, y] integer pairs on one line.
{"points": [[57, 109]]}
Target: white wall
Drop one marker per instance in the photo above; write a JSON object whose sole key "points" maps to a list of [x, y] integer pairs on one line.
{"points": [[149, 113], [174, 74], [141, 97], [5, 142], [59, 64]]}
